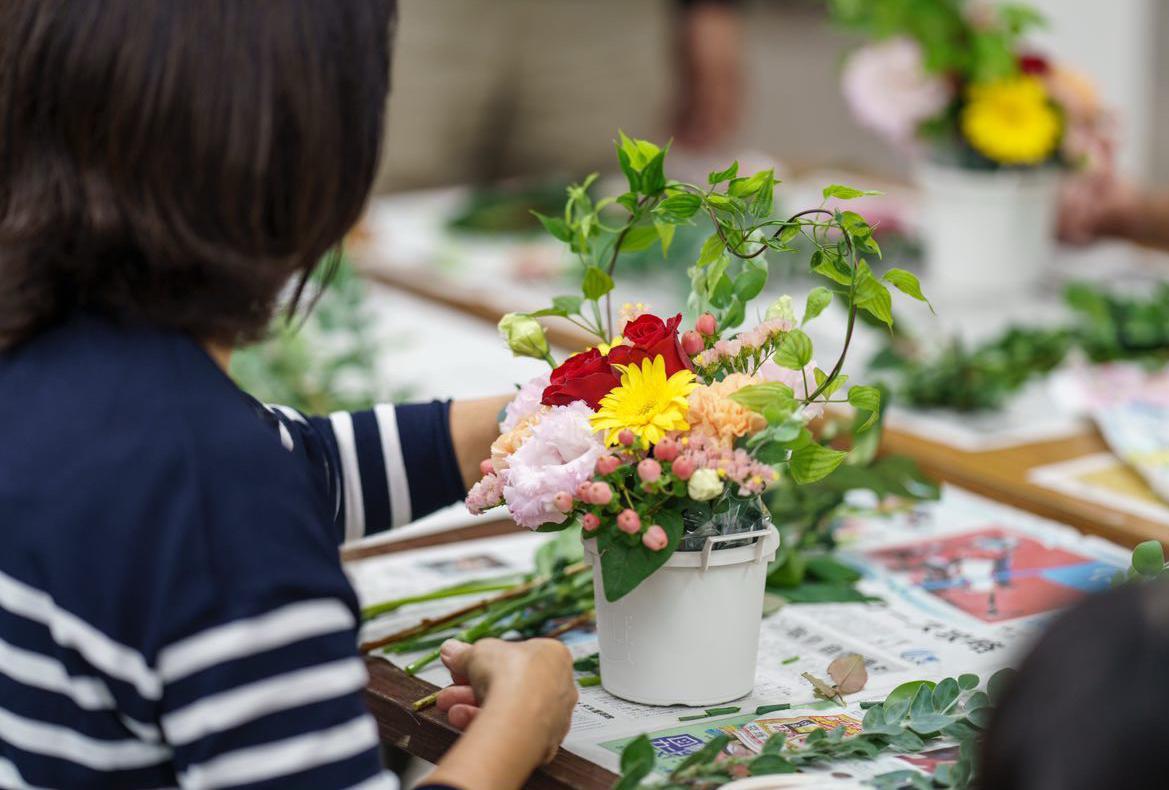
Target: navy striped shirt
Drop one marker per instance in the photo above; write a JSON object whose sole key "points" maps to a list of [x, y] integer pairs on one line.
{"points": [[172, 607]]}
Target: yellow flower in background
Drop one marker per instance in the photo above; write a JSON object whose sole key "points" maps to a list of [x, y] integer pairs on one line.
{"points": [[1011, 121], [647, 403], [605, 348]]}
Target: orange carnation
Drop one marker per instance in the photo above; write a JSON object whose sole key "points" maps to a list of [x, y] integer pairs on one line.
{"points": [[712, 412]]}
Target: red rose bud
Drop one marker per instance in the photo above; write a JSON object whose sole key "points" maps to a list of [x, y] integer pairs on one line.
{"points": [[683, 468], [692, 342], [666, 450], [706, 325], [650, 337], [600, 494], [655, 538], [562, 501], [486, 467], [649, 470], [1033, 64], [587, 376], [607, 464], [584, 492], [628, 521], [590, 522], [627, 437]]}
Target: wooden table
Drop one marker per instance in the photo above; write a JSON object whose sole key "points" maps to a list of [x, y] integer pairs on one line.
{"points": [[427, 734]]}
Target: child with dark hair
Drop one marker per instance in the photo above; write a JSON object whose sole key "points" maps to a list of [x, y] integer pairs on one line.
{"points": [[1087, 707], [172, 607]]}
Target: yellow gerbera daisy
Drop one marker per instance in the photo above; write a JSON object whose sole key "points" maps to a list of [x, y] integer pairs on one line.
{"points": [[1011, 121], [647, 403]]}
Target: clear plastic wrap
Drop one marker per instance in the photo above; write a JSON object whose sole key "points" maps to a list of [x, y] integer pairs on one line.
{"points": [[727, 515]]}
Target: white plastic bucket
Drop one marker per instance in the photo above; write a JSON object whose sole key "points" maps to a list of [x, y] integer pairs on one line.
{"points": [[689, 634], [985, 234]]}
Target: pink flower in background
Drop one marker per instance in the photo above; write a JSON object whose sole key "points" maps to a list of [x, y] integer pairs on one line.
{"points": [[888, 90], [560, 454], [769, 371], [524, 404]]}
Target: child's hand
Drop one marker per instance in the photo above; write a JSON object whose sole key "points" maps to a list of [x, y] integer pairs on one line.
{"points": [[526, 686]]}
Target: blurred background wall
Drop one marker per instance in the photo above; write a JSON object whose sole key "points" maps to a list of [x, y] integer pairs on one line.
{"points": [[484, 90]]}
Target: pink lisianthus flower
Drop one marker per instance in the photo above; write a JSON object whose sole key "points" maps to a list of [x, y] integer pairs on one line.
{"points": [[524, 404], [889, 91], [560, 454]]}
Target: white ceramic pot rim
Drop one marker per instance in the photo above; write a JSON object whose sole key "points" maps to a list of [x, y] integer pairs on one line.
{"points": [[763, 549], [967, 177]]}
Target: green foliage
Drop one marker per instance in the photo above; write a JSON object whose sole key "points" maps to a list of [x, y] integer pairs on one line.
{"points": [[626, 561], [1148, 564], [325, 362], [1110, 326], [912, 719], [509, 209]]}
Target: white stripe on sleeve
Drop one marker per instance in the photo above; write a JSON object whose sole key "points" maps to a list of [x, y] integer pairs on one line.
{"points": [[396, 481], [68, 630], [280, 627], [350, 472], [55, 741], [383, 781], [10, 777], [228, 709], [271, 760]]}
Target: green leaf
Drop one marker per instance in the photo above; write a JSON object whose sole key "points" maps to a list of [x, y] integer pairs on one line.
{"points": [[637, 761], [758, 397], [826, 568], [766, 764], [596, 283], [945, 694], [788, 233], [836, 384], [555, 225], [774, 744], [750, 283], [708, 753], [624, 566], [1148, 558], [653, 177], [639, 238], [712, 250], [967, 681], [719, 176], [872, 297], [795, 351], [831, 266], [865, 398], [570, 305], [905, 693], [666, 234], [679, 207], [814, 462], [818, 299], [841, 192], [907, 283], [734, 314]]}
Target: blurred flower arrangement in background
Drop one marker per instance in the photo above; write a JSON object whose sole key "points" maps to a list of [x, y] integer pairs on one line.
{"points": [[957, 79]]}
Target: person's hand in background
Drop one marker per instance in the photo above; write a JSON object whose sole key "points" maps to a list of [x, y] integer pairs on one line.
{"points": [[1105, 206], [711, 75], [514, 701]]}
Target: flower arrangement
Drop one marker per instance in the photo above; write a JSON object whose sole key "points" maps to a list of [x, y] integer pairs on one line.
{"points": [[957, 76], [660, 429]]}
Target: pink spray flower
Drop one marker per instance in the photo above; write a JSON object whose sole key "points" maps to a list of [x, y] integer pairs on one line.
{"points": [[562, 501], [889, 91], [666, 450], [607, 464], [706, 325], [486, 467], [590, 522], [692, 342], [627, 437], [683, 467], [600, 494]]}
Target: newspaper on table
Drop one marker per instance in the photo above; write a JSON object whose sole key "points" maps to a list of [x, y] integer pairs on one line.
{"points": [[964, 585]]}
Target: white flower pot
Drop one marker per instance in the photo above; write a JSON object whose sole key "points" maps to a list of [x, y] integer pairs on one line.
{"points": [[985, 234], [689, 634]]}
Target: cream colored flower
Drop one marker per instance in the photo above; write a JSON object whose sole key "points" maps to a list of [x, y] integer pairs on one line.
{"points": [[510, 441], [705, 484]]}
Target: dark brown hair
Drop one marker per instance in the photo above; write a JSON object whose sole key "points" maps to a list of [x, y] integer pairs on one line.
{"points": [[178, 163]]}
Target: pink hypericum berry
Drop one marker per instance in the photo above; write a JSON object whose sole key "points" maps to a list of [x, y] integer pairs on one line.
{"points": [[627, 437], [649, 470], [706, 325], [666, 450], [486, 467], [562, 501], [655, 538], [584, 492], [628, 521], [590, 522], [607, 464], [600, 494], [692, 342], [683, 468]]}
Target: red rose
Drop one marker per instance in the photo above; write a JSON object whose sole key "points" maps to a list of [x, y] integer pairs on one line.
{"points": [[587, 376], [652, 337], [1033, 64]]}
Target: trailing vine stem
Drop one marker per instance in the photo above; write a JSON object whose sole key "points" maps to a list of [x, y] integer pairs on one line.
{"points": [[634, 217], [852, 308]]}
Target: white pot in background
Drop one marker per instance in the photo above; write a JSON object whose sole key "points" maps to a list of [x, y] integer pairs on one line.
{"points": [[985, 234], [689, 634]]}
